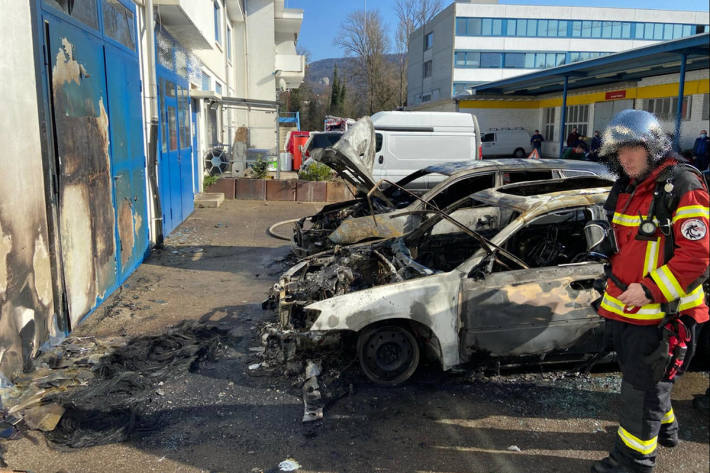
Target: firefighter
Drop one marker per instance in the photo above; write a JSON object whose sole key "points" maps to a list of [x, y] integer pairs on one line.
{"points": [[654, 299]]}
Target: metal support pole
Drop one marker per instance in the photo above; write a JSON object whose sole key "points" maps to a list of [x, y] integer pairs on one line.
{"points": [[563, 117], [278, 138], [679, 109]]}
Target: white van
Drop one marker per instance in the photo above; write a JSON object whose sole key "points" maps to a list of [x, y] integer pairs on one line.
{"points": [[408, 141], [505, 142]]}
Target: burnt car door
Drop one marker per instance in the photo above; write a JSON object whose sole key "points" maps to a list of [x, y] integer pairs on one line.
{"points": [[542, 309]]}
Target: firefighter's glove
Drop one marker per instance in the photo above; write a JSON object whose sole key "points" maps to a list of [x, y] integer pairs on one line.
{"points": [[658, 359]]}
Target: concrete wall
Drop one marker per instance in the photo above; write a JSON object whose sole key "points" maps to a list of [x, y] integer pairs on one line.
{"points": [[27, 316], [437, 86]]}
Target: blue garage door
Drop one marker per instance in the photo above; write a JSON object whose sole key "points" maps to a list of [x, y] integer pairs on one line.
{"points": [[175, 168], [93, 86]]}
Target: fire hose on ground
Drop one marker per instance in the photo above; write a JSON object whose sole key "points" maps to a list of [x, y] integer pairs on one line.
{"points": [[272, 233]]}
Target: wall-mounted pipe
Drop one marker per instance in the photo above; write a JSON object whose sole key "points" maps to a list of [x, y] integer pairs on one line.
{"points": [[153, 130]]}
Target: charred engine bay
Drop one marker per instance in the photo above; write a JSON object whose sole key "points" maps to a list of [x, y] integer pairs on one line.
{"points": [[354, 268], [311, 233]]}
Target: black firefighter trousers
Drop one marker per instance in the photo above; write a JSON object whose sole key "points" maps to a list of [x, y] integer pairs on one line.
{"points": [[646, 410]]}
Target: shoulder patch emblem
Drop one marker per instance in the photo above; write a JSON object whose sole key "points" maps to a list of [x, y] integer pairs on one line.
{"points": [[693, 229]]}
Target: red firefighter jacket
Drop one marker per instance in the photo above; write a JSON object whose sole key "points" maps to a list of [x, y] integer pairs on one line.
{"points": [[642, 261]]}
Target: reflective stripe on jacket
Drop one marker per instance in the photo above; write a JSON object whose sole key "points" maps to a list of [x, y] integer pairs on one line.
{"points": [[642, 261]]}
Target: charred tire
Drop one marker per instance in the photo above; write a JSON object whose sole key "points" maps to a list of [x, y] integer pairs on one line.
{"points": [[388, 354], [519, 153]]}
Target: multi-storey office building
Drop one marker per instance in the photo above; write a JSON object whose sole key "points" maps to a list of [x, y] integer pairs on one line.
{"points": [[470, 43]]}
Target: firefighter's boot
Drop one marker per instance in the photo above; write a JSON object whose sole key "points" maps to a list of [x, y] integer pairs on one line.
{"points": [[610, 465]]}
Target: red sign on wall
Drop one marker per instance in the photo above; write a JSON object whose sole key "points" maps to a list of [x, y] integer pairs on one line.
{"points": [[617, 94]]}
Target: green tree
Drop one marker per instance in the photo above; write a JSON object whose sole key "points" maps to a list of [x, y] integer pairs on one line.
{"points": [[337, 94]]}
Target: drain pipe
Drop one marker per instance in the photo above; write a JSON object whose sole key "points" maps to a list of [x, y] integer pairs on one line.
{"points": [[153, 132]]}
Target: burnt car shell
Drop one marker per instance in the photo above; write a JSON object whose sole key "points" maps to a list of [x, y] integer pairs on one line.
{"points": [[463, 297], [352, 158]]}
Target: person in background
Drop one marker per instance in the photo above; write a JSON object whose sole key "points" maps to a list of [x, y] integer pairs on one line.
{"points": [[701, 151], [573, 138], [595, 146], [536, 141]]}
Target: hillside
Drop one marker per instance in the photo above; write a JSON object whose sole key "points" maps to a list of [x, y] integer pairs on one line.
{"points": [[319, 73]]}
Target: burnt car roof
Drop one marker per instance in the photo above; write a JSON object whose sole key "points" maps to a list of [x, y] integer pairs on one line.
{"points": [[523, 196], [449, 169], [551, 194]]}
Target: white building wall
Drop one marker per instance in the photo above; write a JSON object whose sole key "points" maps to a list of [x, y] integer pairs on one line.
{"points": [[260, 50], [199, 12], [444, 24], [214, 58]]}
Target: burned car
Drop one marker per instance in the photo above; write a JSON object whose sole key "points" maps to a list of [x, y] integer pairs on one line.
{"points": [[349, 222], [500, 274]]}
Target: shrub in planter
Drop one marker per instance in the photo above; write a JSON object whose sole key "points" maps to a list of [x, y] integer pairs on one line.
{"points": [[314, 171], [259, 169], [208, 181]]}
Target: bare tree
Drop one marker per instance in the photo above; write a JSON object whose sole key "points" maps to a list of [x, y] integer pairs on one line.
{"points": [[364, 37], [411, 14]]}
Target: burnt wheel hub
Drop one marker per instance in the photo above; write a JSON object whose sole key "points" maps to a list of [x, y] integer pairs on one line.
{"points": [[389, 351]]}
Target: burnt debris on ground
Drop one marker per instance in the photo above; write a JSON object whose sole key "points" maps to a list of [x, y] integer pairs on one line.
{"points": [[324, 368], [90, 391]]}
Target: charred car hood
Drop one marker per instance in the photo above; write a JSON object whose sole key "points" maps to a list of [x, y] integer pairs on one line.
{"points": [[353, 156]]}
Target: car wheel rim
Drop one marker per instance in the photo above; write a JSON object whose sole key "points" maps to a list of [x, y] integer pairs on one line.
{"points": [[389, 353]]}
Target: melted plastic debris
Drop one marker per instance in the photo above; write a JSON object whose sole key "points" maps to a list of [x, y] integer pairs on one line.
{"points": [[90, 391], [289, 465]]}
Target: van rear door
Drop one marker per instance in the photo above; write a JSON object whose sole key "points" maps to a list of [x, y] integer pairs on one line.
{"points": [[378, 168], [488, 144]]}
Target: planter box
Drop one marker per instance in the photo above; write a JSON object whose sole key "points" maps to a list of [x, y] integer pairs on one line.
{"points": [[226, 186], [281, 189], [251, 189], [311, 191], [337, 191]]}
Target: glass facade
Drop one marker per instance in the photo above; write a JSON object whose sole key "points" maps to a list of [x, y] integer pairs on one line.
{"points": [[546, 28], [519, 60]]}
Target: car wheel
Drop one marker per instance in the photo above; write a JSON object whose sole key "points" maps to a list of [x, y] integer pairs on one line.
{"points": [[519, 153], [389, 354]]}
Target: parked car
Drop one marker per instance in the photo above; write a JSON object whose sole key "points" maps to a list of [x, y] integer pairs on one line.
{"points": [[501, 274], [394, 210], [505, 142]]}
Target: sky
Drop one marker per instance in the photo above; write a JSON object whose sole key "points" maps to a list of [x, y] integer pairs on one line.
{"points": [[322, 18]]}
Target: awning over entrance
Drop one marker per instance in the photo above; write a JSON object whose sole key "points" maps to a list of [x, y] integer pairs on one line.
{"points": [[670, 57]]}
